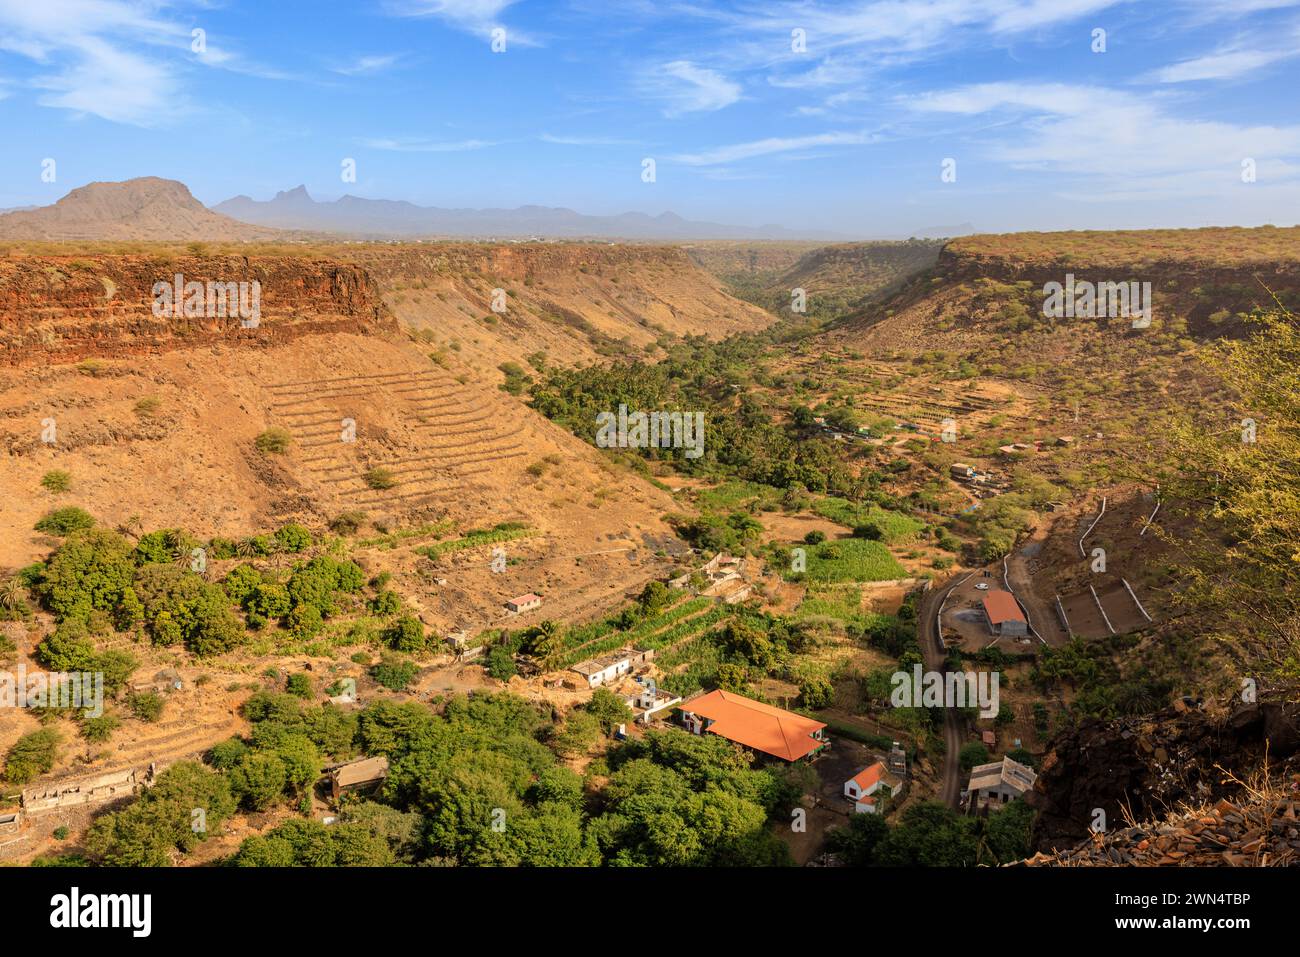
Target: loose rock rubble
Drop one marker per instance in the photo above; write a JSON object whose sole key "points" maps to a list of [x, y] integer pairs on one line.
{"points": [[1257, 830]]}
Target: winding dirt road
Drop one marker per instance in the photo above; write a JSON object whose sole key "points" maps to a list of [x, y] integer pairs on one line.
{"points": [[927, 633]]}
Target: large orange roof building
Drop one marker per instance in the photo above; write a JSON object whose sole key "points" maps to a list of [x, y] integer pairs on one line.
{"points": [[782, 734]]}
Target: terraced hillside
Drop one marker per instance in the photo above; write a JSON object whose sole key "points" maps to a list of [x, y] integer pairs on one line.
{"points": [[324, 408]]}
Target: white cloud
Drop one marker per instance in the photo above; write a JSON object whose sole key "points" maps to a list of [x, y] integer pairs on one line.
{"points": [[1120, 143], [829, 72], [365, 65], [766, 147], [687, 88], [1220, 66], [585, 140], [476, 17], [90, 51], [425, 146]]}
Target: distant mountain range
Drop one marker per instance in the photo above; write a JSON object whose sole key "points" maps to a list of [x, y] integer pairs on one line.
{"points": [[387, 219], [147, 208], [153, 209]]}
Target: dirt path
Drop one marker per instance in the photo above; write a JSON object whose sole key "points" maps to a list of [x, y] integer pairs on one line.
{"points": [[1020, 580]]}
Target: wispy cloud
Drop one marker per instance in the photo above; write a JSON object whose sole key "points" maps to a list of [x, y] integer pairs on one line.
{"points": [[89, 52], [366, 65], [220, 58], [829, 72], [585, 140], [1123, 143], [766, 147], [1226, 65], [425, 146], [684, 87], [476, 17]]}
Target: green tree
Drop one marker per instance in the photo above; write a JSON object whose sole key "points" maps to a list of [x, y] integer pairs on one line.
{"points": [[32, 755]]}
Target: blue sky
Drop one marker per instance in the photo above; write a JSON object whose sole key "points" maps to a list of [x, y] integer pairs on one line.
{"points": [[846, 135]]}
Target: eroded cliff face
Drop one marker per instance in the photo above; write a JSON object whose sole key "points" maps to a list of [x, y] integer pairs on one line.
{"points": [[57, 309], [572, 302]]}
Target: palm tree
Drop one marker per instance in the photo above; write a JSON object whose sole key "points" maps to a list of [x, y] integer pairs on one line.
{"points": [[543, 638], [13, 595]]}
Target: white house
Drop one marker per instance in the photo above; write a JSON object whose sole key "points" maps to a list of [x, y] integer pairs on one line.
{"points": [[607, 668], [649, 700], [869, 785], [523, 603]]}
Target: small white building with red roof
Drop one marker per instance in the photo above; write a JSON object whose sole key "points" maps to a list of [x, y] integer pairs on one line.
{"points": [[870, 784]]}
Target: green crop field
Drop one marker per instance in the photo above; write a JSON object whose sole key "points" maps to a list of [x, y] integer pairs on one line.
{"points": [[894, 526], [852, 560]]}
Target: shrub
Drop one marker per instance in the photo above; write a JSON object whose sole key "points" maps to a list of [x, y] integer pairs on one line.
{"points": [[32, 755], [870, 531], [972, 754], [180, 607], [241, 582], [299, 685], [146, 705], [814, 538], [56, 480], [406, 634], [381, 478], [275, 441], [100, 729], [65, 521], [386, 603], [348, 523], [501, 663], [816, 693], [293, 537], [394, 673], [269, 600], [226, 754], [305, 621], [258, 779], [91, 570]]}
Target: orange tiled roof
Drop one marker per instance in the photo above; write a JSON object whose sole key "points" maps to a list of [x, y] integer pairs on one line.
{"points": [[868, 776], [762, 727], [1001, 606]]}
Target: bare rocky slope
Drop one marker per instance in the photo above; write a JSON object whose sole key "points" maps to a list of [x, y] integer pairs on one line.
{"points": [[575, 302], [147, 208], [158, 417]]}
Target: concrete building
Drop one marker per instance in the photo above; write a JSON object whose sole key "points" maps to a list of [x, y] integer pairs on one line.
{"points": [[649, 700], [90, 789], [523, 603], [359, 774], [608, 668], [995, 784], [1003, 614]]}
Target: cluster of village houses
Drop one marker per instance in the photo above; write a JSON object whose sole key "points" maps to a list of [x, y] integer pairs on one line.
{"points": [[770, 731], [773, 732]]}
